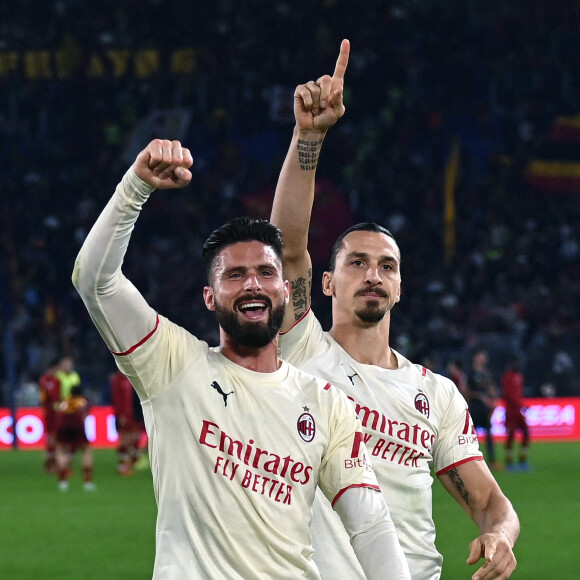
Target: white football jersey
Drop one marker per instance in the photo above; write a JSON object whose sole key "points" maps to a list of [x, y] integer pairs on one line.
{"points": [[413, 421], [236, 455]]}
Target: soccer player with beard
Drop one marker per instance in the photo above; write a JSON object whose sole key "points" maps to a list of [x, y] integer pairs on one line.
{"points": [[413, 419], [238, 439]]}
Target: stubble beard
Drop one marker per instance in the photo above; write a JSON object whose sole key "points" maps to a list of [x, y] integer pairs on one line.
{"points": [[251, 334], [371, 314]]}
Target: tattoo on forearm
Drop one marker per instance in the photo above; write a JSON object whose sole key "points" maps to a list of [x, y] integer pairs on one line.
{"points": [[300, 290], [308, 154], [459, 485]]}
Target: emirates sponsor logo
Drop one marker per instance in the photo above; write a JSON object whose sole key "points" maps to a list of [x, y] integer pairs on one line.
{"points": [[306, 427], [422, 404], [248, 453], [373, 420]]}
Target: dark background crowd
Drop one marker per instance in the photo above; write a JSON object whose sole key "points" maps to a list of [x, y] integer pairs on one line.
{"points": [[491, 78]]}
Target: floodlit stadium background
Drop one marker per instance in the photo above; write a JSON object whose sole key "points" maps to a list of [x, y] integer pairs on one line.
{"points": [[491, 257], [462, 135]]}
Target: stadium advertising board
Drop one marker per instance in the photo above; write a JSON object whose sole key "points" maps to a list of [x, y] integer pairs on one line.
{"points": [[99, 427], [549, 419]]}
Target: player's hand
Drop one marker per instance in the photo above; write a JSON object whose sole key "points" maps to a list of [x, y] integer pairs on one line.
{"points": [[319, 105], [500, 561], [164, 164]]}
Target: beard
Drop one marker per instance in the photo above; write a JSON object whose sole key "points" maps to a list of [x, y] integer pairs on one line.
{"points": [[372, 312], [247, 333]]}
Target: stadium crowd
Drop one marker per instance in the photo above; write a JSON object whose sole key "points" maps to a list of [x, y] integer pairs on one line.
{"points": [[423, 76]]}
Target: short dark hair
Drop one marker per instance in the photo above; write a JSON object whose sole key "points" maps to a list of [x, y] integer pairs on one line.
{"points": [[240, 229], [361, 227]]}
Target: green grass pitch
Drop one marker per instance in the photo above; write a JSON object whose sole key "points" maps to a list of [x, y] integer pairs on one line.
{"points": [[46, 534], [547, 501], [109, 534]]}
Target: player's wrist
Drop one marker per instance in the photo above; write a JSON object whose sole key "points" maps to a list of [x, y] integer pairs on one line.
{"points": [[311, 134], [505, 535]]}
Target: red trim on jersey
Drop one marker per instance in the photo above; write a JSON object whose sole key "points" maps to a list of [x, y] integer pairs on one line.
{"points": [[358, 439], [339, 494], [424, 371], [298, 321], [467, 422], [135, 346], [453, 465], [327, 386]]}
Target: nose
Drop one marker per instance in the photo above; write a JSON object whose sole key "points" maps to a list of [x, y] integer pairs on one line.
{"points": [[252, 283], [372, 276]]}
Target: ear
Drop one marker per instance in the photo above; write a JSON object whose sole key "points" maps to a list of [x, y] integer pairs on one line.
{"points": [[328, 283], [399, 290], [208, 298], [286, 292]]}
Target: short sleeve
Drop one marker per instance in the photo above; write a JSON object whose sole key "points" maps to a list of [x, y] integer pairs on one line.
{"points": [[457, 441], [303, 341], [346, 462], [153, 364]]}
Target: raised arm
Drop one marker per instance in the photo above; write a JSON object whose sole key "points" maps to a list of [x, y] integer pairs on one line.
{"points": [[119, 311], [475, 489], [317, 107]]}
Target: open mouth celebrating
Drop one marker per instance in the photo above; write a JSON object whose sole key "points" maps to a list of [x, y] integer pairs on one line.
{"points": [[253, 310]]}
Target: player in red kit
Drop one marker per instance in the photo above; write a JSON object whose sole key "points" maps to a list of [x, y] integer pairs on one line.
{"points": [[49, 396], [71, 437], [128, 422], [512, 387]]}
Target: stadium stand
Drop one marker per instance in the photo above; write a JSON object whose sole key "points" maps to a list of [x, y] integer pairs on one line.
{"points": [[82, 89]]}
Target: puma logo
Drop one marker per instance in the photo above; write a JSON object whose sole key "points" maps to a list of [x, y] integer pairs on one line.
{"points": [[350, 377], [218, 388]]}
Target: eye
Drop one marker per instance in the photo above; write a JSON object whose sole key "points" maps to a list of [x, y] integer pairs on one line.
{"points": [[387, 267], [267, 273], [357, 263]]}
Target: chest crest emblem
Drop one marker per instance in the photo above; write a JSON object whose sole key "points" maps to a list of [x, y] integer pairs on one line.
{"points": [[422, 404], [306, 427]]}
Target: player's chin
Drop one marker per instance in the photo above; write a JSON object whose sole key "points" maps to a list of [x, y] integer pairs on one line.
{"points": [[255, 335], [371, 315]]}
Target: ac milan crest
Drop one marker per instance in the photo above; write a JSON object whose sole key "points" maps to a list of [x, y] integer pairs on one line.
{"points": [[306, 427], [422, 404]]}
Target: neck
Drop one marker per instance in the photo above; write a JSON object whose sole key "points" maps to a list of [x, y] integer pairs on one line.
{"points": [[260, 360], [367, 344]]}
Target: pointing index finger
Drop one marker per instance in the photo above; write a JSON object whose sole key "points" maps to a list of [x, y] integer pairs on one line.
{"points": [[342, 60]]}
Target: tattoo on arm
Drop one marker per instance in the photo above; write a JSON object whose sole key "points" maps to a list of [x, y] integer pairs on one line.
{"points": [[459, 485], [300, 291], [308, 152]]}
